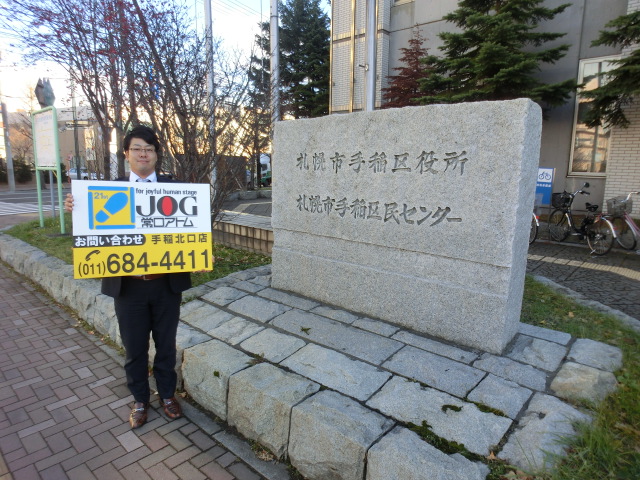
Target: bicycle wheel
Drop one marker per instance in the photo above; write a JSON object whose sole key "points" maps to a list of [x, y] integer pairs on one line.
{"points": [[600, 237], [625, 235], [558, 225], [533, 233]]}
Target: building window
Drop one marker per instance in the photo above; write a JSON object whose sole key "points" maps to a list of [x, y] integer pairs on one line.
{"points": [[590, 145]]}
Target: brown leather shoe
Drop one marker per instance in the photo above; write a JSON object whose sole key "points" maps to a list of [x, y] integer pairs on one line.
{"points": [[138, 416], [172, 408]]}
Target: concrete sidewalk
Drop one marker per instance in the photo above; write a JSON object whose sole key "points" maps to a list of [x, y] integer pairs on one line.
{"points": [[65, 406]]}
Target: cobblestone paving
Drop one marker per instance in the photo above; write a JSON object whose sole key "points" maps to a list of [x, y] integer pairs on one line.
{"points": [[64, 406], [613, 280]]}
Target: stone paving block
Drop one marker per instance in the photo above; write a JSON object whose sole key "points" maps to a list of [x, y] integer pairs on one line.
{"points": [[344, 338], [580, 382], [248, 286], [235, 330], [562, 338], [536, 352], [402, 454], [503, 395], [260, 403], [436, 371], [376, 326], [335, 314], [206, 370], [264, 280], [433, 346], [539, 434], [273, 346], [203, 316], [525, 375], [334, 370], [448, 416], [596, 354], [293, 301], [224, 295], [258, 309], [330, 436]]}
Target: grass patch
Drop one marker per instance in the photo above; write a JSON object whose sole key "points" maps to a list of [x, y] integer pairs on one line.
{"points": [[607, 449], [49, 240]]}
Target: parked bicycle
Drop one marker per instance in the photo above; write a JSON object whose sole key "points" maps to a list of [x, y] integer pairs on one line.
{"points": [[535, 225], [627, 232], [598, 230]]}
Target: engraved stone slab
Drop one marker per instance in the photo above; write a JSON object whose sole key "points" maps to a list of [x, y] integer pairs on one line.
{"points": [[260, 403], [353, 341], [330, 436], [436, 371], [448, 416], [334, 370], [380, 213], [402, 454]]}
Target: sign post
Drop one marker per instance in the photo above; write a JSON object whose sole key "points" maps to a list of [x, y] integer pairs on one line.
{"points": [[47, 154], [544, 186], [123, 228]]}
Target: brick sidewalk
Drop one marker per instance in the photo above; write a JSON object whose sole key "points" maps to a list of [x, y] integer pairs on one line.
{"points": [[64, 406]]}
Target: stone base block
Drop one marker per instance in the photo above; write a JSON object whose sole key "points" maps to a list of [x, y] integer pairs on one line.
{"points": [[206, 370], [402, 454], [260, 403], [330, 436]]}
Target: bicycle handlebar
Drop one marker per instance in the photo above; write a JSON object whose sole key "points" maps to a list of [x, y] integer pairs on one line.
{"points": [[581, 190], [632, 193]]}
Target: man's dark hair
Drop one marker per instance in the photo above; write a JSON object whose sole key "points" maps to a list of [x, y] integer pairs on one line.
{"points": [[144, 133]]}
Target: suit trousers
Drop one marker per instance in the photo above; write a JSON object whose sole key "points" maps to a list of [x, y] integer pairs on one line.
{"points": [[148, 308]]}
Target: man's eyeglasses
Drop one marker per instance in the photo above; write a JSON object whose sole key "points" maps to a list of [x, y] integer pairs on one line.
{"points": [[145, 150]]}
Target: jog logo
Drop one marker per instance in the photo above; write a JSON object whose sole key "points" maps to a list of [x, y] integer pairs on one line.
{"points": [[111, 208]]}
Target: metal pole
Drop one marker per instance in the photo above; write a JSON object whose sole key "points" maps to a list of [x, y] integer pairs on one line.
{"points": [[7, 147], [370, 63], [211, 88], [275, 65], [75, 128]]}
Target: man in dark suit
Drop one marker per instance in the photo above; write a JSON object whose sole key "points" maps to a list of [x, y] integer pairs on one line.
{"points": [[147, 304]]}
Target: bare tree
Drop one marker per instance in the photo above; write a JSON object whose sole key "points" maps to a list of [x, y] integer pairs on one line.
{"points": [[142, 62]]}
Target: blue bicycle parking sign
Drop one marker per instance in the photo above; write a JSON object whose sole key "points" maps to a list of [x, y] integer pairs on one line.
{"points": [[544, 186]]}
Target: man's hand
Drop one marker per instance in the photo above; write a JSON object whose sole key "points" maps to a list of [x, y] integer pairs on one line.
{"points": [[68, 203]]}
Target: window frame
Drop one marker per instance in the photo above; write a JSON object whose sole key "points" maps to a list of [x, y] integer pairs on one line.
{"points": [[574, 125]]}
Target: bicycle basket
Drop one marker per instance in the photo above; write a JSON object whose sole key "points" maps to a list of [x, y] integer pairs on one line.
{"points": [[618, 205], [561, 200]]}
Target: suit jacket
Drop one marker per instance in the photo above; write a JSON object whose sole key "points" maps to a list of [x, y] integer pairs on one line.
{"points": [[178, 282]]}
